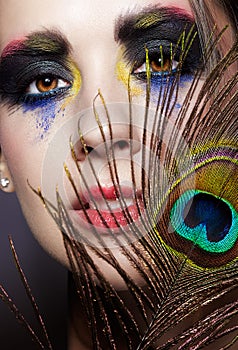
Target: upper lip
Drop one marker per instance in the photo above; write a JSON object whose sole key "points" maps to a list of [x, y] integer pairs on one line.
{"points": [[96, 197]]}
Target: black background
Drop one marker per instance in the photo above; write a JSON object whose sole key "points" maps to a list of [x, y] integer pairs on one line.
{"points": [[46, 277]]}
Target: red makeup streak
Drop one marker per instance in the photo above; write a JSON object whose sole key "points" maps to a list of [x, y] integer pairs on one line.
{"points": [[13, 46]]}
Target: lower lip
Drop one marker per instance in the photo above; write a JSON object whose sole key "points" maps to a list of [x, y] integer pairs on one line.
{"points": [[110, 220]]}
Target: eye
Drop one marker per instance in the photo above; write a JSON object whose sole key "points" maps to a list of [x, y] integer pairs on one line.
{"points": [[46, 84], [159, 65]]}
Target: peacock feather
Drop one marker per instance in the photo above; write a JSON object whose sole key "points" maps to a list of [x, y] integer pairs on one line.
{"points": [[184, 245]]}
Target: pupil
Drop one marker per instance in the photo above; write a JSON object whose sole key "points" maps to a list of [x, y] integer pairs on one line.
{"points": [[211, 212], [158, 62], [47, 81]]}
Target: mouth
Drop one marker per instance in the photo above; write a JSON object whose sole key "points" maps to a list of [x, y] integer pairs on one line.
{"points": [[109, 207]]}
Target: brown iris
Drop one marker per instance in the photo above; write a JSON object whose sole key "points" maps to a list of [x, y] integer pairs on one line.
{"points": [[46, 83], [159, 66]]}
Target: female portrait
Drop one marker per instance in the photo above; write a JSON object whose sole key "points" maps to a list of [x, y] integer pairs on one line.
{"points": [[118, 134]]}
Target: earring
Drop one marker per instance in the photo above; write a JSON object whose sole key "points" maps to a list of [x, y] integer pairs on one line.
{"points": [[4, 182]]}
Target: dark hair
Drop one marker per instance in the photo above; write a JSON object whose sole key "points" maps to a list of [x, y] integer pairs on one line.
{"points": [[231, 7], [206, 22]]}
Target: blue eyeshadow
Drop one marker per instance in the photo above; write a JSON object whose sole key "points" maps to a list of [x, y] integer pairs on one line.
{"points": [[158, 80], [162, 85], [45, 113]]}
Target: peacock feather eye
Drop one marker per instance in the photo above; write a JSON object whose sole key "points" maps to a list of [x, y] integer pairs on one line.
{"points": [[200, 221], [205, 220]]}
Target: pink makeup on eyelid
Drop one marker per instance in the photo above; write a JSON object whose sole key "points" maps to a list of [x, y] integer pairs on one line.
{"points": [[182, 12], [13, 46]]}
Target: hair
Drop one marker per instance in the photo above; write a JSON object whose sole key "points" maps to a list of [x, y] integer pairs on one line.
{"points": [[207, 24], [232, 9]]}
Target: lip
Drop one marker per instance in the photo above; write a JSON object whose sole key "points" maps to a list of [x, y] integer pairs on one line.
{"points": [[108, 208]]}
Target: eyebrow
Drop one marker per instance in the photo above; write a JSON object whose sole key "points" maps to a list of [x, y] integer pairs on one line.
{"points": [[50, 42], [156, 27], [148, 18]]}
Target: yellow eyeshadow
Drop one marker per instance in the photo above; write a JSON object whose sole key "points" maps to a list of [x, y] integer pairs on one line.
{"points": [[77, 80], [76, 84], [123, 75], [148, 21], [39, 42]]}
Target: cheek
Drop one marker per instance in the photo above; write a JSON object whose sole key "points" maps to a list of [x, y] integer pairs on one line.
{"points": [[25, 160], [24, 156], [170, 99]]}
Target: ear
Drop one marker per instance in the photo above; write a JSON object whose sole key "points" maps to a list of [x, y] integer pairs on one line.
{"points": [[6, 183]]}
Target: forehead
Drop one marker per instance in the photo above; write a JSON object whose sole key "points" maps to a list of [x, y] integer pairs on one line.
{"points": [[74, 17]]}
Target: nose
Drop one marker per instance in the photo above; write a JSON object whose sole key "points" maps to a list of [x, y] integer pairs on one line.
{"points": [[99, 70], [104, 123], [108, 133]]}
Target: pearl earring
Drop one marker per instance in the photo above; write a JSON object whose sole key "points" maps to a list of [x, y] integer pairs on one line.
{"points": [[4, 182]]}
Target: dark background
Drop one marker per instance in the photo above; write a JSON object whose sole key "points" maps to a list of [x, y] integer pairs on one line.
{"points": [[47, 279]]}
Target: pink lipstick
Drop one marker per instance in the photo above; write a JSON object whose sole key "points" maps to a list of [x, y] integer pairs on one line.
{"points": [[110, 208]]}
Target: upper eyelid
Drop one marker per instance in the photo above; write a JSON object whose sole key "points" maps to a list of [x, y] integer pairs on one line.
{"points": [[16, 76], [43, 68], [154, 46], [172, 52], [34, 49]]}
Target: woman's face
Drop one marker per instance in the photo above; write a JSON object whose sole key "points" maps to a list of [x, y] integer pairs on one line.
{"points": [[56, 56]]}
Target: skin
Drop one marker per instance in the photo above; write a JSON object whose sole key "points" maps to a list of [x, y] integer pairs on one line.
{"points": [[89, 27]]}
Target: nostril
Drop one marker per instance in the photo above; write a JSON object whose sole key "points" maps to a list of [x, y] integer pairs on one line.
{"points": [[88, 149]]}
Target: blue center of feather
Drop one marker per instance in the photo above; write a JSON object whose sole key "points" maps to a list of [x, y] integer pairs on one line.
{"points": [[210, 212], [206, 220]]}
